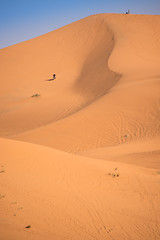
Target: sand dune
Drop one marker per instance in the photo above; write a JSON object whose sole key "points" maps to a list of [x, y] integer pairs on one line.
{"points": [[131, 107], [80, 155], [62, 196], [77, 54], [141, 153], [131, 110]]}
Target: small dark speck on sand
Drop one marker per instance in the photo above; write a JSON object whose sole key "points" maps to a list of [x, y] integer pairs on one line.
{"points": [[29, 226]]}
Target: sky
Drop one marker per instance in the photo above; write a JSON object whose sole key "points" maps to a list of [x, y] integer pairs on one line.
{"points": [[21, 20]]}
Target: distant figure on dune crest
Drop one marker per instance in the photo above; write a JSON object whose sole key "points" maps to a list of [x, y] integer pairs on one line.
{"points": [[128, 12]]}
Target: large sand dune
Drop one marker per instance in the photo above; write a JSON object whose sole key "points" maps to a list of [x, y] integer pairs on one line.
{"points": [[77, 54], [82, 159]]}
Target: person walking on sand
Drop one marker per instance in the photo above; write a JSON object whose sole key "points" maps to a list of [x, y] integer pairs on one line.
{"points": [[128, 12], [54, 76]]}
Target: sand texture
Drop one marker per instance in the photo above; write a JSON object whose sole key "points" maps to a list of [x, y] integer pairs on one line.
{"points": [[80, 155]]}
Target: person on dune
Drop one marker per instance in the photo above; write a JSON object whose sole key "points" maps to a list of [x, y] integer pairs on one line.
{"points": [[54, 76]]}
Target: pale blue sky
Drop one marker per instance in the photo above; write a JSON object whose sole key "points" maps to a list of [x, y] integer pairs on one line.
{"points": [[21, 20]]}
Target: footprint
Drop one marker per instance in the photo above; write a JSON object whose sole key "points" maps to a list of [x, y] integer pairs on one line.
{"points": [[20, 208], [2, 196], [13, 203]]}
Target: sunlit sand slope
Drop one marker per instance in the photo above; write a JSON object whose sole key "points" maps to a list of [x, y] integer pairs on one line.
{"points": [[61, 196], [130, 110], [77, 53], [142, 153]]}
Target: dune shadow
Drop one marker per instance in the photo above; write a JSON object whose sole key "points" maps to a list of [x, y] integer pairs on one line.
{"points": [[95, 78], [50, 79]]}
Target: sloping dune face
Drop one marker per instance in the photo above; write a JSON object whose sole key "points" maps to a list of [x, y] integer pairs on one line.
{"points": [[80, 155], [130, 111], [62, 196], [77, 54]]}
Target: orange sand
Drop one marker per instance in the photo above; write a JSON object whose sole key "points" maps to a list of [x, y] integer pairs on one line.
{"points": [[82, 160]]}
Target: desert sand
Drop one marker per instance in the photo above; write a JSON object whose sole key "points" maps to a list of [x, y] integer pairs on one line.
{"points": [[80, 155]]}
